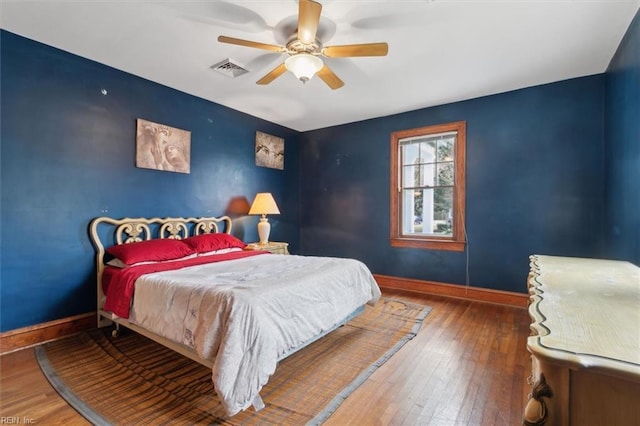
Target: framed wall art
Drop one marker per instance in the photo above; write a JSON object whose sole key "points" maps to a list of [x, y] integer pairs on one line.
{"points": [[161, 147], [269, 151]]}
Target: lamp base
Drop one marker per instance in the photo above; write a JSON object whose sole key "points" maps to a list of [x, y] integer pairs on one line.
{"points": [[264, 229]]}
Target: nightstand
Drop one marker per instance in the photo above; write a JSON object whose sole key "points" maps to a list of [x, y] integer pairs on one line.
{"points": [[271, 246]]}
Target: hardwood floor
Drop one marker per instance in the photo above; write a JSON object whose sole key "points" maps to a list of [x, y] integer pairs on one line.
{"points": [[467, 366], [26, 396]]}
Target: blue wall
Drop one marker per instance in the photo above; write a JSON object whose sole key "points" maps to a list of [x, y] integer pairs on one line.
{"points": [[68, 155], [550, 169], [534, 185], [622, 149]]}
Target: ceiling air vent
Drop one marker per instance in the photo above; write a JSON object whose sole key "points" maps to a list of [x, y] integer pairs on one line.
{"points": [[229, 68]]}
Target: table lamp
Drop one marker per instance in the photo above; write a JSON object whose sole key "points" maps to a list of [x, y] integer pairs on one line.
{"points": [[264, 204]]}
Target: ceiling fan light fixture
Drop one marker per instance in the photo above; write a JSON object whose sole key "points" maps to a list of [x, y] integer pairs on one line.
{"points": [[304, 49], [303, 65]]}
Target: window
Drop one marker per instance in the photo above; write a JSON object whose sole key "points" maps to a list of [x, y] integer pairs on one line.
{"points": [[428, 187]]}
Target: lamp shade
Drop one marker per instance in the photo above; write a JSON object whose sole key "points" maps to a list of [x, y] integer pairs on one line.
{"points": [[303, 65], [264, 204]]}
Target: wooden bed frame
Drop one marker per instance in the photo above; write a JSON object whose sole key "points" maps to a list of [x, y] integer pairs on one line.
{"points": [[129, 230]]}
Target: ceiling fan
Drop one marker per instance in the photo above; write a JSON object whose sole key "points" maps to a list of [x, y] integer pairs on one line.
{"points": [[305, 50]]}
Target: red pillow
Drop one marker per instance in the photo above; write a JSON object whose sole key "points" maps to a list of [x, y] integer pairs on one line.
{"points": [[150, 251], [210, 242]]}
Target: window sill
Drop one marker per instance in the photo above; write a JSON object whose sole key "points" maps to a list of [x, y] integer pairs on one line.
{"points": [[448, 245]]}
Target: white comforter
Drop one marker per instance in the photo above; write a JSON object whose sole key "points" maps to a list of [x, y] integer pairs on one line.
{"points": [[245, 314]]}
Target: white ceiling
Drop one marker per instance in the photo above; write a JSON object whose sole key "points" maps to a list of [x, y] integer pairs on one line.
{"points": [[440, 51]]}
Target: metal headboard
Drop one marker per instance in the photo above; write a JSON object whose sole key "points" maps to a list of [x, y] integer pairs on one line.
{"points": [[129, 230]]}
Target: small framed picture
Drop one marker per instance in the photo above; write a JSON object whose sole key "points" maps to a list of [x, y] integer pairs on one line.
{"points": [[269, 151], [161, 147]]}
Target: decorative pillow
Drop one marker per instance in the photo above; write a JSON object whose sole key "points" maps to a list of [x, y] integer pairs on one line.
{"points": [[212, 242], [150, 251]]}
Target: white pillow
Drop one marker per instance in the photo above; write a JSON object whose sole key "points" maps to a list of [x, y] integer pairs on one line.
{"points": [[117, 263], [221, 251]]}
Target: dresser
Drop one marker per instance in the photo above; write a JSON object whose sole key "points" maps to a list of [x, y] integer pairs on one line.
{"points": [[584, 343]]}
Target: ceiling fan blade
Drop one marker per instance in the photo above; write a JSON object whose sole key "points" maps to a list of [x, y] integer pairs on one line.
{"points": [[308, 19], [273, 74], [350, 50], [330, 78], [247, 43]]}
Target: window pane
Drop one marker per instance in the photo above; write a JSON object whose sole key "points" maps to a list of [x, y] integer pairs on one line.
{"points": [[428, 175], [445, 149], [445, 174], [410, 153], [443, 211], [428, 212], [410, 176], [424, 175], [422, 213], [428, 152], [416, 152], [412, 211]]}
